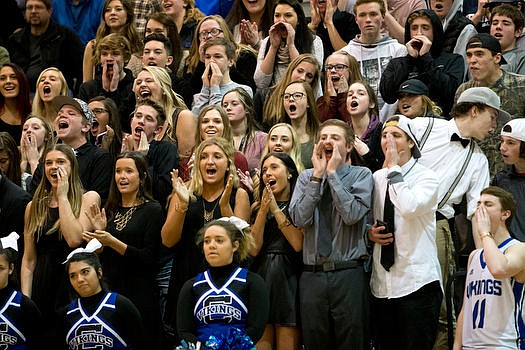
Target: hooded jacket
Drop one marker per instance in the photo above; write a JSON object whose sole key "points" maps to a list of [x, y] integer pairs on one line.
{"points": [[458, 29], [441, 71]]}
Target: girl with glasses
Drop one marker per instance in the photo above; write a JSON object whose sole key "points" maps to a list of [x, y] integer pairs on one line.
{"points": [[300, 111], [341, 70]]}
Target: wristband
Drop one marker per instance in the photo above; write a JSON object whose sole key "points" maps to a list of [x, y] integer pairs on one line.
{"points": [[315, 179]]}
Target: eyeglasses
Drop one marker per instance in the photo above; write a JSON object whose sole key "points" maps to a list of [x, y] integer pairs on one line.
{"points": [[99, 110], [206, 33], [35, 7], [296, 96], [338, 67]]}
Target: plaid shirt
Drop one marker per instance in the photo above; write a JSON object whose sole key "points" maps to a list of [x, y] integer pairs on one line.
{"points": [[142, 10]]}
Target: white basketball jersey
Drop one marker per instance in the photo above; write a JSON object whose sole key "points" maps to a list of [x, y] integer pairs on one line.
{"points": [[492, 310]]}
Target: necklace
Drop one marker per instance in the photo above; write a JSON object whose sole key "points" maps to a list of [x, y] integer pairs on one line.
{"points": [[208, 215], [121, 220]]}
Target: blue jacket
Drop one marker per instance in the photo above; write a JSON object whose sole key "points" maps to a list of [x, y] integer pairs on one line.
{"points": [[83, 18]]}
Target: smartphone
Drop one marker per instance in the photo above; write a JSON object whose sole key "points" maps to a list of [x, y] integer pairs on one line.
{"points": [[382, 223]]}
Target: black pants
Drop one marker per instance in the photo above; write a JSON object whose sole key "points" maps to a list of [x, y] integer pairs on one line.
{"points": [[409, 322], [335, 309]]}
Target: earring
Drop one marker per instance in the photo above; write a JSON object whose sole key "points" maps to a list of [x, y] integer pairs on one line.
{"points": [[289, 176]]}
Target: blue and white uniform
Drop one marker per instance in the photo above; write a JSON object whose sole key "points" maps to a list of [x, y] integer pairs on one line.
{"points": [[218, 309], [94, 331], [492, 310], [11, 335]]}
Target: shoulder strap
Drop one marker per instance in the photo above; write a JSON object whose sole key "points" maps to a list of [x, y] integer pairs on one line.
{"points": [[426, 133], [458, 177]]}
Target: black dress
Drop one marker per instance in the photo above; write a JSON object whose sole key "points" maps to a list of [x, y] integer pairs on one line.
{"points": [[133, 274], [189, 259], [280, 267], [50, 286]]}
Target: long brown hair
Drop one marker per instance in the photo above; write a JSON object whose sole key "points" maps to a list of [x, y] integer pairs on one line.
{"points": [[39, 211], [145, 184], [129, 31], [273, 112], [23, 102]]}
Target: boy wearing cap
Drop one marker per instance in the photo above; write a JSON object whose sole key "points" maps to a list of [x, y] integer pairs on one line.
{"points": [[484, 58], [492, 313], [442, 72], [406, 289], [72, 124], [512, 179], [413, 101], [448, 149]]}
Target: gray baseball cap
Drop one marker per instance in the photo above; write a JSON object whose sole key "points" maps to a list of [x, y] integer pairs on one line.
{"points": [[484, 96]]}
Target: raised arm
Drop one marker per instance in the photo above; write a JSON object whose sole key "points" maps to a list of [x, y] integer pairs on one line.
{"points": [[171, 231]]}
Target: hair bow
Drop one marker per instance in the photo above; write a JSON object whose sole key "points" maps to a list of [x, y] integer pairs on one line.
{"points": [[92, 246], [10, 241], [235, 221]]}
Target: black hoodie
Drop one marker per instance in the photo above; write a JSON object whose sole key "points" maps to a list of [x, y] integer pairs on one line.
{"points": [[442, 72]]}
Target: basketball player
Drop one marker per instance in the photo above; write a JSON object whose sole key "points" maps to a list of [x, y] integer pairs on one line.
{"points": [[491, 317]]}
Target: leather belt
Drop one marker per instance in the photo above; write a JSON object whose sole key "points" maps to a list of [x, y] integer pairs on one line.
{"points": [[333, 266]]}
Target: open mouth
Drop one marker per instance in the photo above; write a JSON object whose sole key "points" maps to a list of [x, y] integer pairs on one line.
{"points": [[328, 152], [272, 182], [138, 131], [152, 63], [145, 93], [211, 171], [292, 108], [109, 66], [354, 104], [211, 132], [438, 6], [63, 124], [46, 90], [277, 150], [498, 35], [335, 78], [54, 175], [123, 183]]}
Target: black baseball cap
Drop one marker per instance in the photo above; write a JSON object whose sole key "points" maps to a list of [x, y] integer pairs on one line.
{"points": [[414, 87], [491, 4], [486, 41]]}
